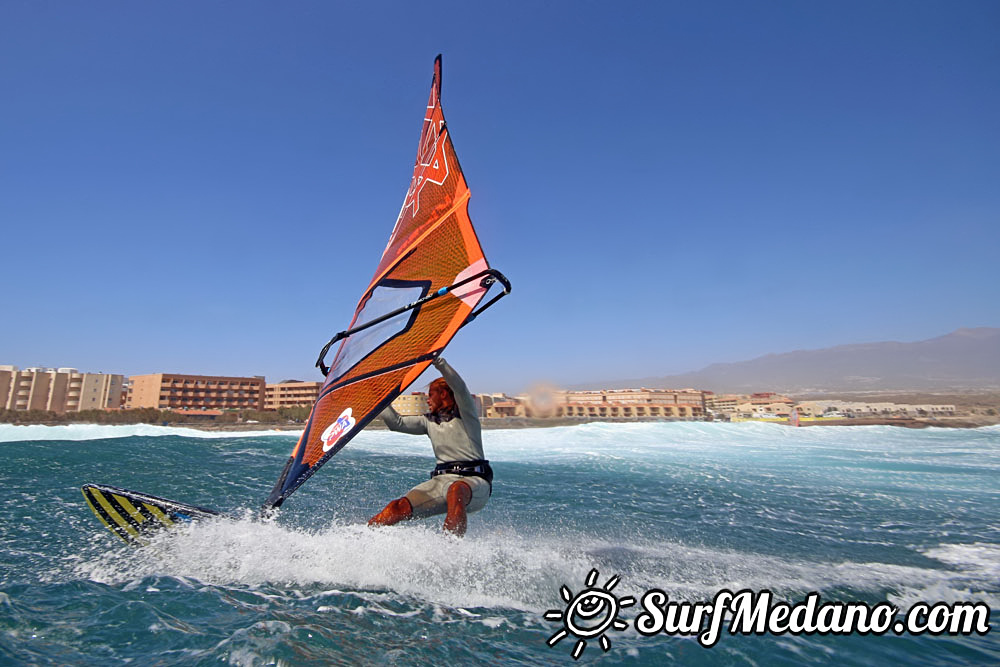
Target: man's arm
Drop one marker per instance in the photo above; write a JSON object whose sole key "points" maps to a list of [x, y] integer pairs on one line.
{"points": [[415, 425], [463, 398], [466, 404]]}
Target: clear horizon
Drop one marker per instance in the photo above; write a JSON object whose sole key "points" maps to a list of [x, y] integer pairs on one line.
{"points": [[205, 190]]}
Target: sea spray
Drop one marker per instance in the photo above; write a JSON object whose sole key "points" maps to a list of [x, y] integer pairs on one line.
{"points": [[855, 514]]}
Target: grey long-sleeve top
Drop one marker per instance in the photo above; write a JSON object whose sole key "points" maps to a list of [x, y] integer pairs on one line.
{"points": [[459, 439]]}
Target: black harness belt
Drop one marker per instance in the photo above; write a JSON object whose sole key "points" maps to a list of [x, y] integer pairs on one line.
{"points": [[480, 468]]}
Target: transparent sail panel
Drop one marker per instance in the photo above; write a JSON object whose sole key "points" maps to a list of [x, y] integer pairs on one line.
{"points": [[384, 300]]}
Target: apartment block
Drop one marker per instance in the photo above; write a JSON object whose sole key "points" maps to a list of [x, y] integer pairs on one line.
{"points": [[411, 404], [505, 408], [630, 410], [759, 409], [634, 397], [725, 404], [291, 394], [58, 389], [602, 403], [861, 409], [768, 398], [626, 403], [168, 391]]}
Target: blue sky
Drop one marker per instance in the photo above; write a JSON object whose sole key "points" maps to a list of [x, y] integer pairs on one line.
{"points": [[207, 187]]}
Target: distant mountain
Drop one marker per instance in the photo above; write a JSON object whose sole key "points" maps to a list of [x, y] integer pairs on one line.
{"points": [[964, 359]]}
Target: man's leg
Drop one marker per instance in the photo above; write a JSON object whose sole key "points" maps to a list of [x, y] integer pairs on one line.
{"points": [[396, 511], [459, 495]]}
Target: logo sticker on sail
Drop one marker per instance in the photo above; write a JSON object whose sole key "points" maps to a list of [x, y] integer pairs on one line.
{"points": [[345, 422]]}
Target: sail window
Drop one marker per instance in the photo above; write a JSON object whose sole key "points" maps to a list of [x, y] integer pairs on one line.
{"points": [[385, 298]]}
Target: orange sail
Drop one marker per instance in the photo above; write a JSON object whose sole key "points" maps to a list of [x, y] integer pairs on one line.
{"points": [[428, 284]]}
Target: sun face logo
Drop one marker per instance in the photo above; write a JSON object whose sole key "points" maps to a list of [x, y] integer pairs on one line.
{"points": [[345, 422], [589, 614]]}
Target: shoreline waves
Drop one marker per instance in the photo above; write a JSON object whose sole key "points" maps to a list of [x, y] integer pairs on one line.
{"points": [[970, 421]]}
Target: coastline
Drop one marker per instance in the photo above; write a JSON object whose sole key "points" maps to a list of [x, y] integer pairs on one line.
{"points": [[967, 421], [971, 421]]}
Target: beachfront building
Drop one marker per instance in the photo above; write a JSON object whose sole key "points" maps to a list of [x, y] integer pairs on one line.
{"points": [[766, 398], [776, 410], [763, 405], [818, 408], [634, 396], [618, 411], [498, 405], [414, 403], [58, 390], [724, 404], [291, 394], [639, 403], [170, 391], [874, 409], [506, 407]]}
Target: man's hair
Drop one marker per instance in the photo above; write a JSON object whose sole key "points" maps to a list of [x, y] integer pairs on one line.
{"points": [[441, 383]]}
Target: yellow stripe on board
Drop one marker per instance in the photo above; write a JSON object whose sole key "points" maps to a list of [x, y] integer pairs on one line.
{"points": [[113, 513], [130, 508], [100, 516], [164, 519]]}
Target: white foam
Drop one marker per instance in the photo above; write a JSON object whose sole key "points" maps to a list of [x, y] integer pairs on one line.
{"points": [[976, 557], [496, 567]]}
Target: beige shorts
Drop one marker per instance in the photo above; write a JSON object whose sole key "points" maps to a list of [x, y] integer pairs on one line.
{"points": [[430, 498]]}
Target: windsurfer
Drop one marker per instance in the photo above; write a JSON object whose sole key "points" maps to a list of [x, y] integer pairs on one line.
{"points": [[462, 481]]}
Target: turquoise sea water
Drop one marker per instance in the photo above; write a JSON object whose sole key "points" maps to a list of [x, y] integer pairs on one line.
{"points": [[855, 513]]}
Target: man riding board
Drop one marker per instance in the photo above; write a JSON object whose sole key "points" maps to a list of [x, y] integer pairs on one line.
{"points": [[462, 481]]}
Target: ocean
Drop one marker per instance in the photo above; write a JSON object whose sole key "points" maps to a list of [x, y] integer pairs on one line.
{"points": [[865, 514]]}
